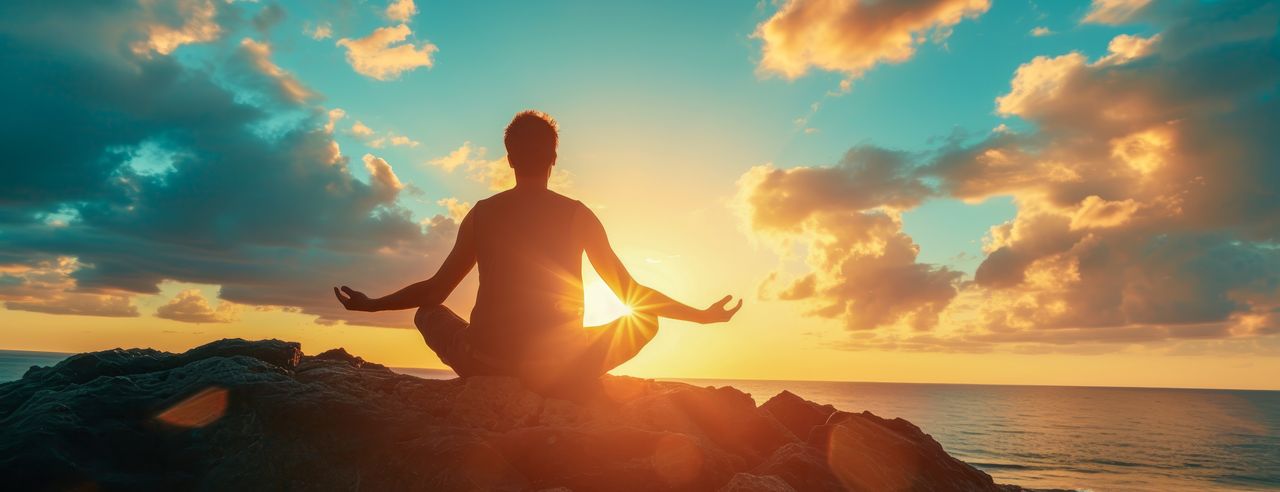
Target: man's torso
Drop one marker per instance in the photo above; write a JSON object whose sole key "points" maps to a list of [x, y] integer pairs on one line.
{"points": [[530, 262]]}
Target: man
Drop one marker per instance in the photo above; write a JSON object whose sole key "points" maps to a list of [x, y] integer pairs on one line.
{"points": [[528, 242]]}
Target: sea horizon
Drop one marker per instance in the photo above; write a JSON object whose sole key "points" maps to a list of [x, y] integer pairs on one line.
{"points": [[425, 370]]}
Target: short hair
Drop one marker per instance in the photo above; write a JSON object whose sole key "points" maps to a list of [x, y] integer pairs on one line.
{"points": [[531, 141]]}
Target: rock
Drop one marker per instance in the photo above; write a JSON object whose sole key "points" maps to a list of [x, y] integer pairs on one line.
{"points": [[801, 466], [746, 482], [260, 415], [869, 453], [797, 414]]}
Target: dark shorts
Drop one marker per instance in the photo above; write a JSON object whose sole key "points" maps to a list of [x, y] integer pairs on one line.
{"points": [[601, 348]]}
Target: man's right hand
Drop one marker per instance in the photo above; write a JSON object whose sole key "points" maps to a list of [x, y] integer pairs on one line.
{"points": [[354, 300]]}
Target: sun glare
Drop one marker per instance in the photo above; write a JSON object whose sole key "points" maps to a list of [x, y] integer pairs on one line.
{"points": [[600, 304]]}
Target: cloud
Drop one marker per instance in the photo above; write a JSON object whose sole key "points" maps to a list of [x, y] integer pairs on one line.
{"points": [[401, 10], [496, 174], [1114, 11], [359, 129], [268, 17], [866, 178], [190, 306], [1040, 31], [403, 141], [383, 55], [457, 209], [79, 304], [462, 155], [850, 36], [1141, 193], [272, 218], [1144, 186], [198, 25], [258, 55], [45, 285], [322, 30], [334, 115], [862, 268], [386, 185]]}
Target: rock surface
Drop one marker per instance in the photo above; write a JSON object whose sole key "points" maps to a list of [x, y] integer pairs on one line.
{"points": [[243, 415]]}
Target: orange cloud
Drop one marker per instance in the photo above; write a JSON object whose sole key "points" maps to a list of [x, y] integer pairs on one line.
{"points": [[386, 185], [457, 209], [1114, 11], [401, 10], [383, 55], [850, 36], [198, 26], [258, 55], [1138, 192], [190, 306], [1146, 211], [47, 286], [496, 174]]}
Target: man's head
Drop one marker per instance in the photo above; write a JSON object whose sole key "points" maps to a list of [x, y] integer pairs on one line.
{"points": [[531, 140]]}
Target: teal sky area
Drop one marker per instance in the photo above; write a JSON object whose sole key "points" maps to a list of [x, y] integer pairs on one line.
{"points": [[675, 82]]}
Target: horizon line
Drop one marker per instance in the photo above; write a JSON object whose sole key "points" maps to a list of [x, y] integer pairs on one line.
{"points": [[789, 380]]}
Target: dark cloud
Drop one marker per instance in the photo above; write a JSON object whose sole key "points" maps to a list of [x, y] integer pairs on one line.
{"points": [[864, 268], [273, 217], [268, 17]]}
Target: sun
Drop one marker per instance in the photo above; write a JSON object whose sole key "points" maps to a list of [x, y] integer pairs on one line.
{"points": [[600, 304]]}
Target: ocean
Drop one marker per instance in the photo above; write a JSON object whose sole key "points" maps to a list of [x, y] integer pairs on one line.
{"points": [[1089, 439]]}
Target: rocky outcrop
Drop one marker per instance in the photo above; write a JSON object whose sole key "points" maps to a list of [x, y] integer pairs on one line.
{"points": [[240, 415]]}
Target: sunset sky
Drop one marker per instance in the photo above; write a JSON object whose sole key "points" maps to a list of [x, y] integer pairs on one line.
{"points": [[959, 191]]}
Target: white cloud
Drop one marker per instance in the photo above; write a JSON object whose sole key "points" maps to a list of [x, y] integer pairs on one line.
{"points": [[323, 30]]}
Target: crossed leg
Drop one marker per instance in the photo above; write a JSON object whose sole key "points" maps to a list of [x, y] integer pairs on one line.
{"points": [[611, 344], [607, 346], [442, 330]]}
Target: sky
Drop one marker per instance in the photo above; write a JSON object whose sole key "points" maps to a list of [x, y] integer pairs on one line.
{"points": [[952, 191]]}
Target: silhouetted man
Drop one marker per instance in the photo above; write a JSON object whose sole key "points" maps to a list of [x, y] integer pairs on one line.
{"points": [[527, 320]]}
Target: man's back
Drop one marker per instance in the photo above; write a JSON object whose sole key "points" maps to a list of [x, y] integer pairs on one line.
{"points": [[530, 261], [529, 242]]}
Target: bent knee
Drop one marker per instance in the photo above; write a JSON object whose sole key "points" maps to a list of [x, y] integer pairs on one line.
{"points": [[438, 325], [427, 314]]}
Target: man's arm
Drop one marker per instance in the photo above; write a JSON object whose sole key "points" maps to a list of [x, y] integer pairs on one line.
{"points": [[427, 292], [638, 297]]}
